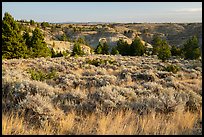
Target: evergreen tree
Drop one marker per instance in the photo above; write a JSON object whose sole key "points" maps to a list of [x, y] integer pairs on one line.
{"points": [[45, 24], [102, 48], [98, 49], [191, 48], [13, 45], [38, 45], [77, 50], [105, 49], [156, 43], [123, 47], [175, 51], [63, 37], [27, 38], [137, 48], [32, 22], [114, 51], [164, 52]]}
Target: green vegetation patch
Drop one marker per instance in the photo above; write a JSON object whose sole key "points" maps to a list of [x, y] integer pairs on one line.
{"points": [[39, 75], [97, 62], [171, 68]]}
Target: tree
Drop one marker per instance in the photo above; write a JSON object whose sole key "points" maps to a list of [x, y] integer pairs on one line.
{"points": [[114, 51], [63, 37], [123, 47], [32, 22], [44, 25], [81, 40], [191, 48], [102, 48], [98, 49], [105, 49], [137, 48], [38, 45], [175, 51], [164, 52], [27, 38], [13, 45], [77, 50], [156, 43]]}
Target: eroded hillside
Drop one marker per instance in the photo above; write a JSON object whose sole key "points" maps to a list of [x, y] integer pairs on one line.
{"points": [[175, 33]]}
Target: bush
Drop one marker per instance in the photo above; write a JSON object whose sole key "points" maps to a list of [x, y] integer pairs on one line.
{"points": [[102, 49], [56, 54], [77, 50], [98, 62], [41, 76], [45, 24], [171, 68]]}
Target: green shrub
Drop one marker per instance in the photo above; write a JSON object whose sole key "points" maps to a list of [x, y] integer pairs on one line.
{"points": [[40, 75], [77, 50], [102, 48], [171, 68], [98, 62]]}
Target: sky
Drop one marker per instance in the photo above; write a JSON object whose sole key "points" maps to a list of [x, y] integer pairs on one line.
{"points": [[121, 12]]}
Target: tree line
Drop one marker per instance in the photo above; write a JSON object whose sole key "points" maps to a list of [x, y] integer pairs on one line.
{"points": [[189, 50], [26, 45]]}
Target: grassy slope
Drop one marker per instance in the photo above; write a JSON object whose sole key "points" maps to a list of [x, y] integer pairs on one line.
{"points": [[129, 96]]}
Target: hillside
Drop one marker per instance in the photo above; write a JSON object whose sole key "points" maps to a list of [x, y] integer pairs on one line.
{"points": [[77, 93], [175, 33], [134, 92]]}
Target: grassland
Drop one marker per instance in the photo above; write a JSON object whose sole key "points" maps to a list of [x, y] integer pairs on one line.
{"points": [[101, 94]]}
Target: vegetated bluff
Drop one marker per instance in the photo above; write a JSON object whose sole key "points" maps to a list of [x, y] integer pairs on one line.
{"points": [[175, 33]]}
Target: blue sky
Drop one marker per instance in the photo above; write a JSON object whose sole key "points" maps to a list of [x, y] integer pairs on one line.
{"points": [[105, 11]]}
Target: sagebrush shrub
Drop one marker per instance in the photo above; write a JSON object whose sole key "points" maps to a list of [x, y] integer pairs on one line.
{"points": [[171, 68]]}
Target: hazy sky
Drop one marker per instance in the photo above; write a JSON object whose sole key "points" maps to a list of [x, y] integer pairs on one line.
{"points": [[105, 11]]}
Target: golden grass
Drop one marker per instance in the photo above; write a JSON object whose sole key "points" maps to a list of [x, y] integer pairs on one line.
{"points": [[113, 123], [177, 123], [12, 124]]}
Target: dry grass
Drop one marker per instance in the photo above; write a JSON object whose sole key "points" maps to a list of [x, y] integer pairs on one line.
{"points": [[128, 84], [13, 124], [113, 123]]}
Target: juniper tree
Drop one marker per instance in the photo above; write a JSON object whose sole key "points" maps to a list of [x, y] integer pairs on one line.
{"points": [[38, 44], [77, 50], [156, 43], [137, 48], [123, 47], [13, 45], [191, 48], [164, 52]]}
